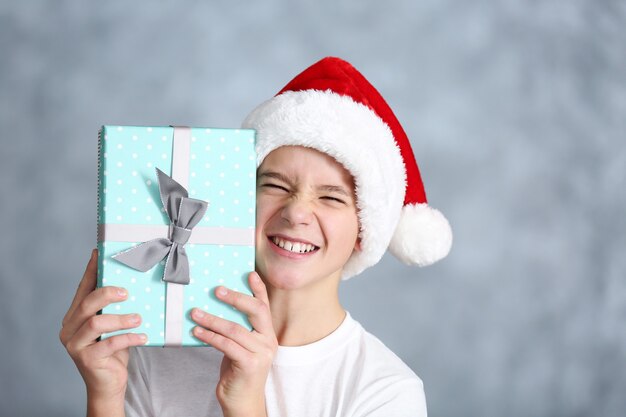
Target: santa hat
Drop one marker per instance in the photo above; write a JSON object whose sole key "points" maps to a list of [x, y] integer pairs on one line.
{"points": [[331, 107]]}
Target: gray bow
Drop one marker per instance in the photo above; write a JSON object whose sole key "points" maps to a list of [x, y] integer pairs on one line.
{"points": [[184, 214]]}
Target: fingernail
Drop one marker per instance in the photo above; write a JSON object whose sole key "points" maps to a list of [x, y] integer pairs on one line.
{"points": [[222, 291], [143, 338], [134, 319], [122, 292], [198, 330], [198, 313]]}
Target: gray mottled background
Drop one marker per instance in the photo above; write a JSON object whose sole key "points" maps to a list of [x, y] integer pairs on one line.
{"points": [[516, 111]]}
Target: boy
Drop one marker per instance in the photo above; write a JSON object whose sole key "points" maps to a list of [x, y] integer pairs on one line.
{"points": [[337, 183]]}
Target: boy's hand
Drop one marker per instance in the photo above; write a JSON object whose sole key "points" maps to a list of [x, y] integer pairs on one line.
{"points": [[101, 364], [248, 355]]}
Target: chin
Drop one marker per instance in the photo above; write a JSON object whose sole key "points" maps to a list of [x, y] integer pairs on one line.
{"points": [[288, 279], [283, 280]]}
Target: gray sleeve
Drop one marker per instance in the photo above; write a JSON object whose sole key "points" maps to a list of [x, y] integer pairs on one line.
{"points": [[173, 382], [138, 399]]}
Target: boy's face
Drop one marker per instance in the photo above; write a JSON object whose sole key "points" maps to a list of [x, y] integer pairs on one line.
{"points": [[307, 224]]}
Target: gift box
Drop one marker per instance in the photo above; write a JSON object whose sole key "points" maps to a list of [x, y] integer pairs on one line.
{"points": [[176, 219]]}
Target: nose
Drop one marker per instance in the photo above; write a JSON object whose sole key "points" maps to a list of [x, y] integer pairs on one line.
{"points": [[297, 212]]}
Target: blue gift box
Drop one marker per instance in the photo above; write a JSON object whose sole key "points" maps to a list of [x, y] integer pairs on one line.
{"points": [[214, 165]]}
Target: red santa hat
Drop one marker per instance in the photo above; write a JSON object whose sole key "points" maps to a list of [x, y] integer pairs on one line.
{"points": [[331, 107]]}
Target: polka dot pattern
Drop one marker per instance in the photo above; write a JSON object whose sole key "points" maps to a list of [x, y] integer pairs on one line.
{"points": [[222, 166]]}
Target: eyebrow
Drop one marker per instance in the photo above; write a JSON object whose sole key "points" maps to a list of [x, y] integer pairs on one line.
{"points": [[326, 187], [275, 175], [334, 189]]}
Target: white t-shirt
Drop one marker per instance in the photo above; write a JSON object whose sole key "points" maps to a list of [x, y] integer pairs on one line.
{"points": [[349, 373]]}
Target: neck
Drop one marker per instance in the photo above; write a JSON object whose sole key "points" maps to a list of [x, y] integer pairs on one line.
{"points": [[306, 315]]}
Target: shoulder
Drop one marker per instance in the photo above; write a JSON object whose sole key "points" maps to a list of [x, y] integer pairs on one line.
{"points": [[377, 357], [388, 385]]}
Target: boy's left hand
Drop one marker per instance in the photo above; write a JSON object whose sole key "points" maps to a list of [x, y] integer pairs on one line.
{"points": [[248, 355]]}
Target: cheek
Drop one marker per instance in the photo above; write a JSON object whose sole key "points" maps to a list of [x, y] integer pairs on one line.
{"points": [[345, 231], [264, 212]]}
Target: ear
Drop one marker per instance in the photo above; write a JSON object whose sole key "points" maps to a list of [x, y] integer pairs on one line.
{"points": [[357, 245]]}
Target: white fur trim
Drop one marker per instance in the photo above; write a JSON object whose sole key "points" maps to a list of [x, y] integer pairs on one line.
{"points": [[423, 236], [358, 139]]}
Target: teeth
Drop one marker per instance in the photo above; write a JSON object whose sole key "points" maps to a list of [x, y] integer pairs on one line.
{"points": [[295, 247]]}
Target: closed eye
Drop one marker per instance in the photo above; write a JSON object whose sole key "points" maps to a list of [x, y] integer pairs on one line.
{"points": [[330, 198], [275, 186]]}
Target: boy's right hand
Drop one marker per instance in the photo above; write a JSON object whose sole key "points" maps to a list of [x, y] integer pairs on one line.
{"points": [[102, 364]]}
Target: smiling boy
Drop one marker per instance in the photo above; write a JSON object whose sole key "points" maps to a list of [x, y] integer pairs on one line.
{"points": [[336, 185]]}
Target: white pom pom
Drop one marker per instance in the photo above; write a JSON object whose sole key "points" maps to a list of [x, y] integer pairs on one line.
{"points": [[422, 237]]}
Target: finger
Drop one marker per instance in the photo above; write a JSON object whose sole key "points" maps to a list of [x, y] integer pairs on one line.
{"points": [[89, 306], [231, 330], [228, 347], [259, 290], [257, 311], [258, 287], [94, 327], [87, 284], [113, 344]]}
